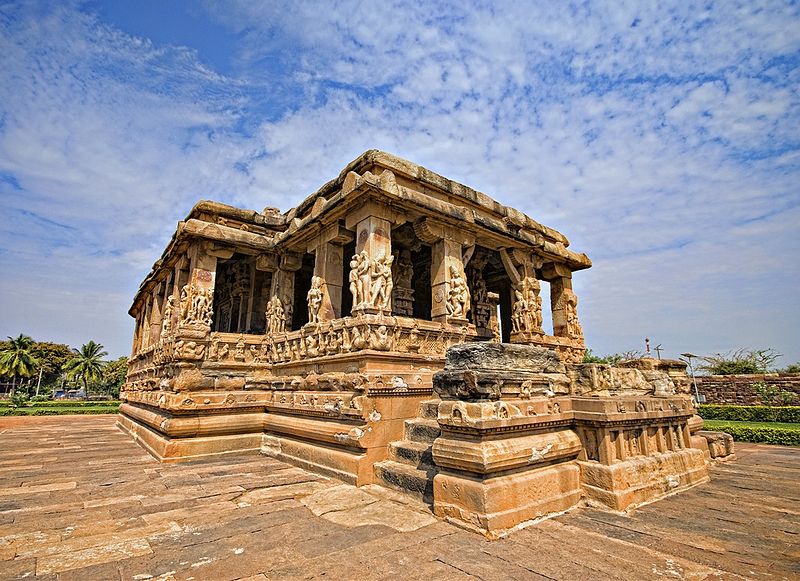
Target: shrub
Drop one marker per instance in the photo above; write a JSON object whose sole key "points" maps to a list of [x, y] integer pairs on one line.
{"points": [[744, 432], [793, 368], [740, 362], [755, 413], [19, 399]]}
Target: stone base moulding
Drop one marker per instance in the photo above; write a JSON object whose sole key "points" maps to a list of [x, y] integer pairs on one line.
{"points": [[167, 449], [495, 504]]}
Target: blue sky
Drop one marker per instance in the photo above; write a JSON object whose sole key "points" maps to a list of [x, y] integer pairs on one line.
{"points": [[663, 138]]}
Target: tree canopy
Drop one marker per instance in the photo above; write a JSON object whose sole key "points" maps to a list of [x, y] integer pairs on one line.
{"points": [[87, 364], [17, 358]]}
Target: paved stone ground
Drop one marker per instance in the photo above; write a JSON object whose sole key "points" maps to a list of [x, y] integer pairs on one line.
{"points": [[79, 500]]}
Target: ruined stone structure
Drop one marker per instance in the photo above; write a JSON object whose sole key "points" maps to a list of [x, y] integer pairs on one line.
{"points": [[319, 337]]}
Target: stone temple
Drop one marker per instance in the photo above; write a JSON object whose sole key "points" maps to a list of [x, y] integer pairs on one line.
{"points": [[388, 330]]}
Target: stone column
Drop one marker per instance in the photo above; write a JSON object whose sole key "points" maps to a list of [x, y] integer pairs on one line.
{"points": [[526, 306], [283, 283], [450, 301], [446, 265], [197, 296], [373, 226], [145, 342], [155, 313], [564, 303], [328, 252]]}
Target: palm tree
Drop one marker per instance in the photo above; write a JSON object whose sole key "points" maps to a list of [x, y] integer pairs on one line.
{"points": [[87, 365], [16, 358]]}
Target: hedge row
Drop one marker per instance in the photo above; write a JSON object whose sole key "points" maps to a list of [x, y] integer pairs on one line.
{"points": [[750, 413], [63, 403], [745, 432], [57, 411]]}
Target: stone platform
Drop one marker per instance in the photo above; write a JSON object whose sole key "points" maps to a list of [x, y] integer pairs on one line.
{"points": [[80, 500]]}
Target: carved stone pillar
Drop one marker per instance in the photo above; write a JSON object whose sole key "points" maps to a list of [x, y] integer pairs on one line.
{"points": [[564, 303], [155, 313], [328, 256], [145, 342], [449, 290], [526, 306], [283, 284], [197, 296], [371, 268]]}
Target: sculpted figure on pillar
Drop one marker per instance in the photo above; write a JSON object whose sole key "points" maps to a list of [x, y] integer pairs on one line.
{"points": [[526, 314], [314, 297], [166, 322], [196, 305], [457, 294], [276, 315], [382, 283], [574, 328], [371, 281]]}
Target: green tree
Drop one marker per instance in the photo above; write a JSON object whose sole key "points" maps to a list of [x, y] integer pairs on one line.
{"points": [[17, 359], [114, 375], [87, 364], [52, 359]]}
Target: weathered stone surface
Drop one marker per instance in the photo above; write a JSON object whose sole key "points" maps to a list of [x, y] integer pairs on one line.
{"points": [[505, 357]]}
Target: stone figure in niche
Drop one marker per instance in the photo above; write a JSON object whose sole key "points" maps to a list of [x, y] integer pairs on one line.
{"points": [[458, 294], [382, 283], [574, 328], [311, 346], [239, 353], [276, 315], [196, 305], [404, 269], [371, 280], [526, 313], [315, 296], [166, 322]]}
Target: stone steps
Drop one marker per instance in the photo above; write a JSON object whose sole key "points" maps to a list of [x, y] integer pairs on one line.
{"points": [[422, 430], [413, 453], [410, 468], [429, 409], [407, 479]]}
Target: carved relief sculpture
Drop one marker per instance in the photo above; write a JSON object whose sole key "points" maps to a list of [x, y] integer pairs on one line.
{"points": [[457, 294], [276, 316], [315, 296], [526, 315], [166, 322], [196, 305], [574, 328], [371, 281]]}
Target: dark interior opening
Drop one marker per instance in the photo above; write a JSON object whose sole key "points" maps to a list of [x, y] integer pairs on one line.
{"points": [[421, 282], [347, 297]]}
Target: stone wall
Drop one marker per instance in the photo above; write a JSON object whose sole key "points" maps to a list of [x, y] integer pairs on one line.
{"points": [[738, 389]]}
